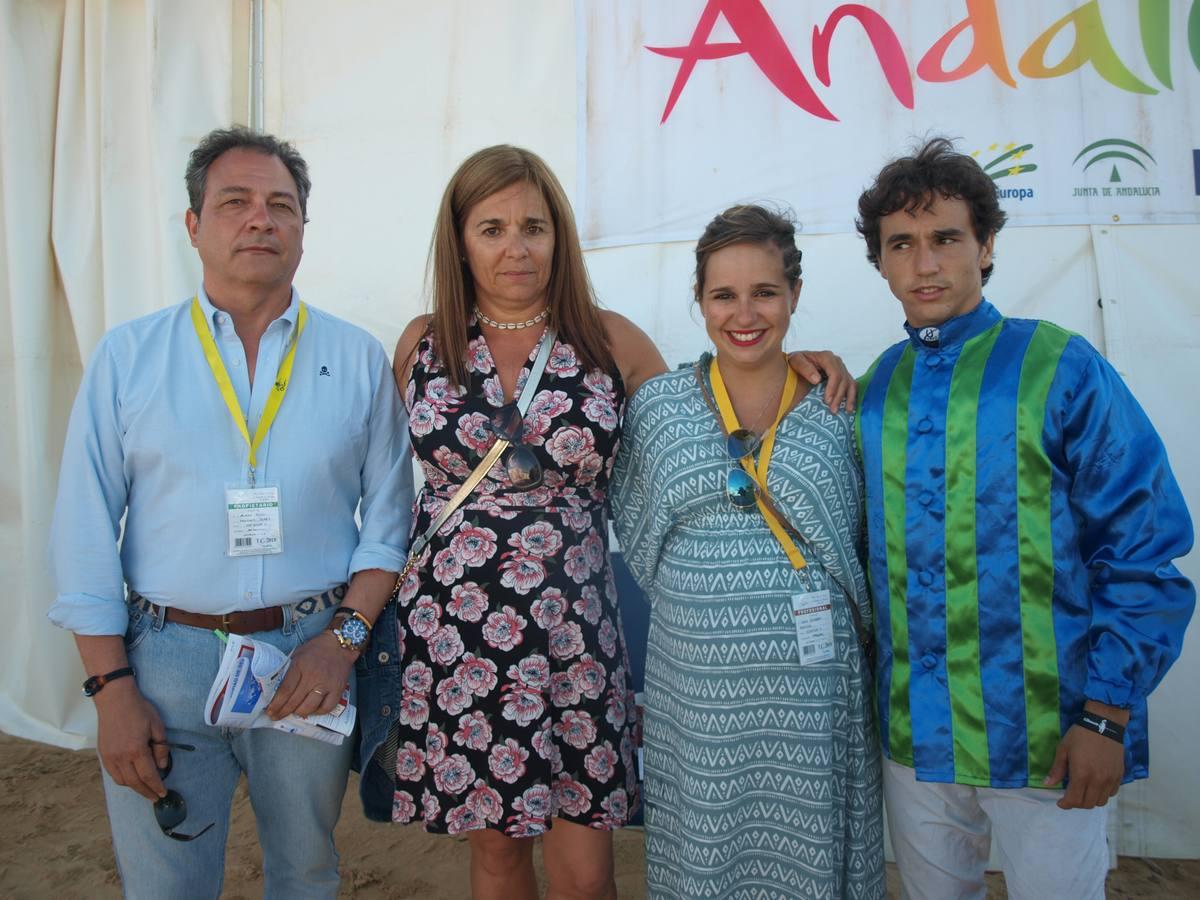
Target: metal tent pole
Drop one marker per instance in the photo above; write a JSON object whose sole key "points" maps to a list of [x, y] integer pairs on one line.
{"points": [[257, 92]]}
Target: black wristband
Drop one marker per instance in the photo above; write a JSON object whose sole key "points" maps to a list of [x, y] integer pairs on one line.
{"points": [[96, 683], [1101, 725]]}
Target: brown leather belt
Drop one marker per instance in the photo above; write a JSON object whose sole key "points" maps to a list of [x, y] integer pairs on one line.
{"points": [[248, 621]]}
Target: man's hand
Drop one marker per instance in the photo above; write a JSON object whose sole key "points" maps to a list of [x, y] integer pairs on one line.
{"points": [[1094, 763], [131, 738], [320, 670], [812, 365], [320, 667]]}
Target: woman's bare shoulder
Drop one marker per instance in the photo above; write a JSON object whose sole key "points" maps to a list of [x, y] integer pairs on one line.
{"points": [[634, 353], [406, 348]]}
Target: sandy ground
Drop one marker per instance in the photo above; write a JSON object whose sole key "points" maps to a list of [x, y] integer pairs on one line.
{"points": [[55, 844]]}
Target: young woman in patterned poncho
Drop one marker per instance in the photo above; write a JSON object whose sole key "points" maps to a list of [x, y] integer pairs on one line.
{"points": [[761, 757]]}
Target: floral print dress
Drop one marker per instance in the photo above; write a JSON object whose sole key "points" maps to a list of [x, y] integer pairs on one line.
{"points": [[517, 704]]}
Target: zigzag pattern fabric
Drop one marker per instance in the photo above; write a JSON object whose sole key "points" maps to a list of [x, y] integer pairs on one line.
{"points": [[762, 776]]}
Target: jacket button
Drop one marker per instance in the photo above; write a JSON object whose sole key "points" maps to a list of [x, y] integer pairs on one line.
{"points": [[386, 711], [383, 656]]}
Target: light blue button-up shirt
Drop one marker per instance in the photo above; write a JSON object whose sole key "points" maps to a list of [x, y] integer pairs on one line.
{"points": [[151, 439]]}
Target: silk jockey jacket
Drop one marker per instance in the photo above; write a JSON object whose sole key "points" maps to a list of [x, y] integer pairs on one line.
{"points": [[1023, 521]]}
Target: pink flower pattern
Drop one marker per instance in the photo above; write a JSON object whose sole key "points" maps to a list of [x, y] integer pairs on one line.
{"points": [[588, 676], [445, 645], [452, 774], [507, 761], [564, 693], [424, 617], [452, 696], [485, 802], [410, 762], [403, 807], [418, 677], [473, 545], [515, 701], [474, 732], [601, 762], [503, 630], [588, 605], [476, 675], [566, 640], [522, 572], [564, 363], [414, 708], [548, 609], [576, 728], [571, 444], [468, 601]]}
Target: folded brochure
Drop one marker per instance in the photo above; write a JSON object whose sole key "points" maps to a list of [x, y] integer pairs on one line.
{"points": [[250, 673]]}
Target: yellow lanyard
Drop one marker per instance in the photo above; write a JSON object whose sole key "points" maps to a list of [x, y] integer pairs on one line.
{"points": [[221, 376], [759, 472]]}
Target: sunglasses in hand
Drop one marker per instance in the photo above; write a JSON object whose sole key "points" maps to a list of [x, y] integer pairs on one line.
{"points": [[171, 810]]}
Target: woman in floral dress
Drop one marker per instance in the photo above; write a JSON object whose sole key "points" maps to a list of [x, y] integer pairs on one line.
{"points": [[505, 710]]}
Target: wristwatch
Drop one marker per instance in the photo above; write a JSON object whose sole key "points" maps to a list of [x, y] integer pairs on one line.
{"points": [[354, 630]]}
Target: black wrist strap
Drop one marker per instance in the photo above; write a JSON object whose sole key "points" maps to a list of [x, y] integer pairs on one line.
{"points": [[96, 683], [1101, 725]]}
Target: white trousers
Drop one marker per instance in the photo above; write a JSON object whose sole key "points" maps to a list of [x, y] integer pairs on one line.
{"points": [[941, 836]]}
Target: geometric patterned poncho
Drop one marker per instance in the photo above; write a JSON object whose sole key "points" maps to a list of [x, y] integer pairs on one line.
{"points": [[762, 777]]}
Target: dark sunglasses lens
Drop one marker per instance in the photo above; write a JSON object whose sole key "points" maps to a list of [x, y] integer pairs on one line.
{"points": [[524, 470], [741, 443], [170, 810], [741, 489], [507, 422]]}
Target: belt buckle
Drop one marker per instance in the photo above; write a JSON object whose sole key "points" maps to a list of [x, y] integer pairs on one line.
{"points": [[225, 623]]}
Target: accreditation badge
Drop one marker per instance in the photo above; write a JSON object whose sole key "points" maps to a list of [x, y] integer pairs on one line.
{"points": [[813, 615], [255, 522]]}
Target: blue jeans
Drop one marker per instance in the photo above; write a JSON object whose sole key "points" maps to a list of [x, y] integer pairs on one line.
{"points": [[296, 783]]}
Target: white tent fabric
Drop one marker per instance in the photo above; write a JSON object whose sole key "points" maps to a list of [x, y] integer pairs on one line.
{"points": [[99, 106], [101, 101]]}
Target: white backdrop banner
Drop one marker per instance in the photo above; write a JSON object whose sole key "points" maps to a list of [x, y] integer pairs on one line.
{"points": [[1083, 113]]}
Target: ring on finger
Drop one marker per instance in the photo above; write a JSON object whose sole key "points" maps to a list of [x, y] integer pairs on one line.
{"points": [[317, 691]]}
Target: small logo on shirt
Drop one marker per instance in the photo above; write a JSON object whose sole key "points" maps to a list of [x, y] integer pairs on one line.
{"points": [[324, 371], [929, 335]]}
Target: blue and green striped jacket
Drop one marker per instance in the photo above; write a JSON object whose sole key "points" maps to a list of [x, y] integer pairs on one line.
{"points": [[1022, 520]]}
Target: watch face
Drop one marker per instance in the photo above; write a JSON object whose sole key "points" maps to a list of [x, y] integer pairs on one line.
{"points": [[354, 631]]}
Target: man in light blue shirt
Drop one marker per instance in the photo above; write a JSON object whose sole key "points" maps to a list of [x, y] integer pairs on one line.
{"points": [[238, 434]]}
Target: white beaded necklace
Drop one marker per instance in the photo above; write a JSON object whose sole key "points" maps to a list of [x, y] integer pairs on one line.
{"points": [[511, 326]]}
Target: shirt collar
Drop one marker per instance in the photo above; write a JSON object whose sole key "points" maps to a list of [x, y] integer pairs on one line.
{"points": [[955, 332], [288, 317]]}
